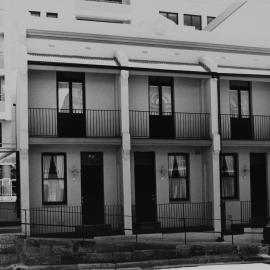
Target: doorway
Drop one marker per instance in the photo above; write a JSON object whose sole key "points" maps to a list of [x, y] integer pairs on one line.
{"points": [[71, 105], [92, 187], [145, 187], [161, 119], [258, 188]]}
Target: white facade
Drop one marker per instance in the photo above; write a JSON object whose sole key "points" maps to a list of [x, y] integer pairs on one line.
{"points": [[119, 50]]}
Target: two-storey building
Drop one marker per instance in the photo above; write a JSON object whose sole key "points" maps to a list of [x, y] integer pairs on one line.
{"points": [[132, 118]]}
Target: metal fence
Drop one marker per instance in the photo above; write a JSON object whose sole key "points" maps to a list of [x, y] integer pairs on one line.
{"points": [[259, 127], [185, 125], [43, 122]]}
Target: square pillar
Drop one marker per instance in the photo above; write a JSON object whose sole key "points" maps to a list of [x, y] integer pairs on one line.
{"points": [[16, 83], [214, 166], [125, 150]]}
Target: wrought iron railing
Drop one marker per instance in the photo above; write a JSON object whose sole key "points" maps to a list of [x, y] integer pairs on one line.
{"points": [[7, 187], [43, 122], [258, 127], [68, 220], [185, 125]]}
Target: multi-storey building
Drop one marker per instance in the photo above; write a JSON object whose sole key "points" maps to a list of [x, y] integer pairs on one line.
{"points": [[136, 116]]}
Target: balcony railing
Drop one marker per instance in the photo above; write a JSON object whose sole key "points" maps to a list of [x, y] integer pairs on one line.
{"points": [[248, 127], [183, 125], [7, 190], [44, 122]]}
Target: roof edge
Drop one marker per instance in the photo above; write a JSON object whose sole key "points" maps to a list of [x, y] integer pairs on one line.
{"points": [[224, 15]]}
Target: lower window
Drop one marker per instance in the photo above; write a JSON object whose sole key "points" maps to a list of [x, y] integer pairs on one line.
{"points": [[178, 177], [229, 185], [54, 178]]}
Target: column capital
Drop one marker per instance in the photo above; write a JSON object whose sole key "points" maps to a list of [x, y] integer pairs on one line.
{"points": [[124, 74]]}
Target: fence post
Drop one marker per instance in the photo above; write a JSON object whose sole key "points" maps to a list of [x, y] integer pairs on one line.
{"points": [[185, 231], [232, 231]]}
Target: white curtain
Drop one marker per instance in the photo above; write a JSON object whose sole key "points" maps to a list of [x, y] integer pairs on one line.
{"points": [[177, 175], [228, 177], [53, 187], [234, 103]]}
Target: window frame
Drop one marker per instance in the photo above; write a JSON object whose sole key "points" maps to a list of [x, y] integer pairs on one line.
{"points": [[70, 77], [52, 15], [191, 17], [167, 13], [211, 18], [34, 13], [236, 176], [239, 88], [187, 198], [159, 82], [64, 202]]}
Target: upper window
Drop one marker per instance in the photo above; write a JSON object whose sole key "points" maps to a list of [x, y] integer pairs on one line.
{"points": [[239, 99], [160, 95], [2, 88], [70, 93], [170, 15], [229, 175], [54, 178], [210, 19], [34, 13], [51, 15], [193, 20], [178, 177]]}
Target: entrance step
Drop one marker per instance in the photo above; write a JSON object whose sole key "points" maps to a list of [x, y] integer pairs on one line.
{"points": [[10, 229], [147, 227], [90, 231]]}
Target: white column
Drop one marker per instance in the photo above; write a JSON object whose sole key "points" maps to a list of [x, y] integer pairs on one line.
{"points": [[17, 83], [125, 153], [215, 151]]}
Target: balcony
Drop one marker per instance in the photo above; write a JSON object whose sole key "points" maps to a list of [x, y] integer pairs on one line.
{"points": [[7, 190], [177, 125], [248, 127], [46, 122], [117, 11]]}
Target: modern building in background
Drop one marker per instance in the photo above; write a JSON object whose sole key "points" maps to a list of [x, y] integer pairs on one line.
{"points": [[123, 116]]}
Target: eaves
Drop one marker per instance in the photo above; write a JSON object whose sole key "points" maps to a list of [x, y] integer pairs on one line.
{"points": [[146, 42]]}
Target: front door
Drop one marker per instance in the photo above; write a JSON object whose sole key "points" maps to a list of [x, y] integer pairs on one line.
{"points": [[240, 118], [145, 187], [92, 188], [258, 188], [70, 109], [161, 115]]}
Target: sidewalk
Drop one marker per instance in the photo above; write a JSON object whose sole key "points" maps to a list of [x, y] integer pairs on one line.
{"points": [[113, 252]]}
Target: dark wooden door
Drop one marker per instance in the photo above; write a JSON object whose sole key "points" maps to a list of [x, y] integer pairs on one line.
{"points": [[145, 187], [71, 120], [240, 110], [92, 188], [258, 188], [161, 121], [241, 128]]}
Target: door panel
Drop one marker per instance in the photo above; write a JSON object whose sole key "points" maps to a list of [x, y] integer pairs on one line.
{"points": [[71, 119], [92, 188], [161, 121], [258, 187], [241, 128], [161, 126], [145, 187]]}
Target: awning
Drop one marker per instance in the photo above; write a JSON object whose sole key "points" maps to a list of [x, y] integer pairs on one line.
{"points": [[166, 66], [244, 72], [52, 59]]}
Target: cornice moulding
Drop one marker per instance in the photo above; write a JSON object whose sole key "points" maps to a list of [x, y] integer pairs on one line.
{"points": [[143, 41]]}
